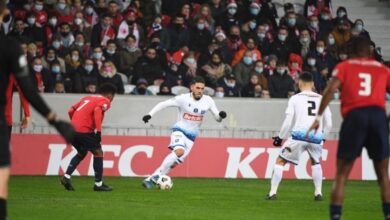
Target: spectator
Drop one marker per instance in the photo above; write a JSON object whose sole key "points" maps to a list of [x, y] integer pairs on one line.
{"points": [[110, 53], [263, 42], [97, 57], [342, 15], [73, 61], [341, 33], [186, 11], [331, 47], [359, 26], [321, 78], [313, 6], [161, 52], [129, 56], [40, 12], [19, 31], [220, 40], [91, 16], [248, 29], [281, 85], [200, 36], [229, 18], [326, 24], [323, 57], [314, 27], [129, 26], [205, 56], [113, 11], [253, 88], [205, 14], [102, 31], [148, 67], [81, 25], [101, 7], [295, 63], [229, 85], [59, 87], [291, 23], [188, 69], [165, 90], [219, 92], [158, 30], [62, 10], [281, 47], [250, 46], [35, 31], [270, 68], [234, 41], [259, 71], [76, 7], [311, 63], [55, 70], [51, 29], [41, 76], [80, 45], [306, 44], [32, 51], [243, 70], [215, 70], [88, 76], [108, 74], [91, 88], [50, 57], [216, 8], [141, 88], [289, 8], [66, 36], [178, 34]]}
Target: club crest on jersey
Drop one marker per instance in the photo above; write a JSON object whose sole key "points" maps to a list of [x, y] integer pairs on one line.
{"points": [[196, 110], [192, 117], [203, 112]]}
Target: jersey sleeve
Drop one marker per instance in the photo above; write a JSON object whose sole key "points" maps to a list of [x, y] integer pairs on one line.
{"points": [[339, 72], [173, 102], [104, 105], [284, 130], [214, 110], [388, 76]]}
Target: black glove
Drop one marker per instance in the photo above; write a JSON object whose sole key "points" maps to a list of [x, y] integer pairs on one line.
{"points": [[146, 118], [277, 141], [64, 128], [222, 114], [98, 136]]}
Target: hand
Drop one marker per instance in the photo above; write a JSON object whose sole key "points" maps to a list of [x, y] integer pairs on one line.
{"points": [[146, 118], [277, 141], [314, 127], [222, 114], [64, 128], [98, 136], [24, 123]]}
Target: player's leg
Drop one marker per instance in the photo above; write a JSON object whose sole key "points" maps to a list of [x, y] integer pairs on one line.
{"points": [[98, 168], [276, 178], [4, 166], [315, 152], [382, 173]]}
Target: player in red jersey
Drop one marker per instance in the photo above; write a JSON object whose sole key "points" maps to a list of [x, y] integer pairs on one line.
{"points": [[87, 116], [8, 106], [363, 83]]}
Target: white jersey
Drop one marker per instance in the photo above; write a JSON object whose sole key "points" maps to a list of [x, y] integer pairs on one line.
{"points": [[191, 112], [300, 113]]}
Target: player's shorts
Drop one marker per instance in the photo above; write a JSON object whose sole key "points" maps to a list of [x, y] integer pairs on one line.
{"points": [[367, 127], [179, 140], [5, 159], [292, 150], [84, 142]]}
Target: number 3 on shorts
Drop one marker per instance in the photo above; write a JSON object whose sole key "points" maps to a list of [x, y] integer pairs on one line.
{"points": [[365, 85]]}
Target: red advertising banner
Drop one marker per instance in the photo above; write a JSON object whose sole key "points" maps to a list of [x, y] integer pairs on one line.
{"points": [[140, 156]]}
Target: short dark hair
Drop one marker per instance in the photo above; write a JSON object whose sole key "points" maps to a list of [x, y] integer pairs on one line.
{"points": [[306, 77], [107, 88], [359, 46], [197, 79]]}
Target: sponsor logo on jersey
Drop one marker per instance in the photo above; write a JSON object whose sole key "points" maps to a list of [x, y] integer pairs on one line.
{"points": [[196, 110], [203, 112], [192, 117]]}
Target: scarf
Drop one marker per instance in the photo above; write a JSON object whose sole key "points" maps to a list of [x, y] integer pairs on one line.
{"points": [[124, 30], [106, 35]]}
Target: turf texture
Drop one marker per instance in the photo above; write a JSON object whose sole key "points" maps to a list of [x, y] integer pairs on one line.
{"points": [[37, 197]]}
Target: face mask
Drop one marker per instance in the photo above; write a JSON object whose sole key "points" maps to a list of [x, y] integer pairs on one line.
{"points": [[311, 62], [281, 71], [89, 10], [38, 68], [53, 22], [61, 6], [247, 60], [252, 25], [325, 17], [79, 44], [232, 11], [291, 22], [108, 69], [78, 21], [282, 37], [266, 27], [75, 58], [341, 14], [331, 41], [219, 94], [359, 27], [314, 24], [88, 68], [191, 60], [304, 40], [110, 51], [56, 44], [320, 49], [343, 56], [55, 69], [131, 49], [200, 26], [261, 35], [97, 55], [38, 7], [31, 21], [50, 58], [254, 11], [259, 70]]}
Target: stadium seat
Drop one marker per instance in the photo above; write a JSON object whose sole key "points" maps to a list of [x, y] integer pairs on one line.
{"points": [[209, 91], [178, 90], [129, 88], [125, 79], [154, 89]]}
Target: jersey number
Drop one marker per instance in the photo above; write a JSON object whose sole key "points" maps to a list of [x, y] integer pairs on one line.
{"points": [[311, 108], [365, 84], [81, 106]]}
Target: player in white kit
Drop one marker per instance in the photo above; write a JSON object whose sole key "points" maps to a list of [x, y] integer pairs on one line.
{"points": [[192, 108], [300, 113]]}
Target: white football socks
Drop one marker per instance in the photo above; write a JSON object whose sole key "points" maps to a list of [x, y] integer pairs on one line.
{"points": [[276, 178], [316, 173], [99, 184], [67, 176], [166, 165]]}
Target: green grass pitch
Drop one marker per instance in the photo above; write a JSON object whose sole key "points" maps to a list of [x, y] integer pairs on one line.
{"points": [[44, 198]]}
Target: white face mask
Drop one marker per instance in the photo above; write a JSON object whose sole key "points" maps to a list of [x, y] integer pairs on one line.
{"points": [[282, 37], [219, 94], [39, 7], [53, 22], [75, 58], [61, 6], [232, 11], [331, 41], [191, 60], [320, 49], [38, 68], [31, 21], [89, 10], [78, 21], [311, 62]]}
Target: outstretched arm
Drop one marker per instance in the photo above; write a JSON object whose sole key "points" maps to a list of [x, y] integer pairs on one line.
{"points": [[173, 102], [218, 115]]}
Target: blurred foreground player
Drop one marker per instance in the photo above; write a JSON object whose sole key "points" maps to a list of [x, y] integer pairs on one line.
{"points": [[87, 116], [301, 110], [13, 61], [192, 108], [363, 83]]}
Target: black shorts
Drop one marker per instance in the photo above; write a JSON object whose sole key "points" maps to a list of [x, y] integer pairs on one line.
{"points": [[5, 159], [84, 142], [366, 127]]}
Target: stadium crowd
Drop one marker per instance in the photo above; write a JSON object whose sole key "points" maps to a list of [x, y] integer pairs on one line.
{"points": [[241, 48]]}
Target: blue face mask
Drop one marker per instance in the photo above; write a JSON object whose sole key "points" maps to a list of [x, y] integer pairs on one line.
{"points": [[88, 68], [254, 11], [200, 26], [252, 25], [97, 55], [247, 60], [291, 21], [282, 37], [336, 96], [55, 69]]}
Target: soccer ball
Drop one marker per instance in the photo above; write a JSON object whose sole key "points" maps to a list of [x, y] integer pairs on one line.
{"points": [[164, 182]]}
